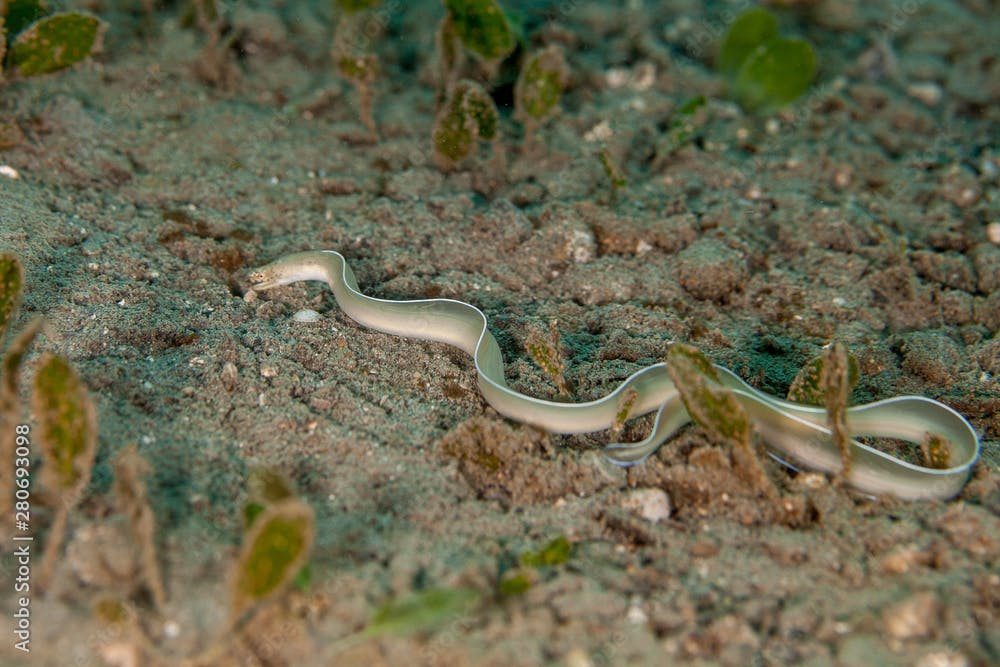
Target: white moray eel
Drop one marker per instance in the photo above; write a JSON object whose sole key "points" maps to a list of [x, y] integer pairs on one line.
{"points": [[795, 434]]}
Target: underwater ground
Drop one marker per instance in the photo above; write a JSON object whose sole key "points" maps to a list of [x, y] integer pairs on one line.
{"points": [[141, 187]]}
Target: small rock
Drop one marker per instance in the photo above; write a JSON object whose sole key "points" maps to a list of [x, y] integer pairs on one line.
{"points": [[902, 560], [710, 270], [927, 92], [913, 618], [651, 504], [581, 246], [993, 232], [306, 315]]}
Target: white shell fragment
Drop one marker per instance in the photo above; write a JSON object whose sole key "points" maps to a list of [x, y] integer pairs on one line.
{"points": [[651, 504], [306, 315]]}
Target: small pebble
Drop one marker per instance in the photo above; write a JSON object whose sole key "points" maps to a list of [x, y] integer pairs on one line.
{"points": [[651, 504], [306, 315], [927, 92], [993, 233], [600, 132], [171, 629], [913, 618]]}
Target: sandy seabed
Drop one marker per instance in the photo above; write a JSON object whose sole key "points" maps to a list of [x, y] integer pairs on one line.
{"points": [[153, 178]]}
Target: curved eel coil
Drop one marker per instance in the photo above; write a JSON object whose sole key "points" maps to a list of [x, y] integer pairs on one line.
{"points": [[795, 434]]}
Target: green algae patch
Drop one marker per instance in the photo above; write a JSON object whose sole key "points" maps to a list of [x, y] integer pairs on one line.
{"points": [[556, 552], [711, 406], [717, 410], [516, 582], [67, 437], [765, 71], [775, 74], [482, 27], [67, 424], [540, 85], [807, 386], [468, 116], [423, 611], [276, 547], [750, 29], [11, 285], [55, 42]]}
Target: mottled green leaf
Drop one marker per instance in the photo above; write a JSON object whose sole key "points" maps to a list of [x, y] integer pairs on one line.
{"points": [[467, 116], [421, 612], [807, 386], [67, 424], [482, 27], [775, 73], [55, 42], [274, 551], [540, 84], [748, 31], [516, 582], [710, 405], [555, 552]]}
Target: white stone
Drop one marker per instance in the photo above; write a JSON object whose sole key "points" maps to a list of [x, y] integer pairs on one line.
{"points": [[993, 232], [651, 504], [306, 315], [581, 246], [600, 132], [927, 92]]}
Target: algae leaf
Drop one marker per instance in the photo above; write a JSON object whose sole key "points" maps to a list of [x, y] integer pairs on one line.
{"points": [[274, 551], [67, 424], [55, 42], [807, 386], [468, 116], [775, 73], [516, 582], [750, 29], [710, 405], [422, 611], [540, 84], [766, 71], [555, 552], [482, 27], [11, 284], [717, 410]]}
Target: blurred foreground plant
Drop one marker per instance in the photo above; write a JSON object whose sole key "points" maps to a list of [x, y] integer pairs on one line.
{"points": [[35, 42], [765, 71]]}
